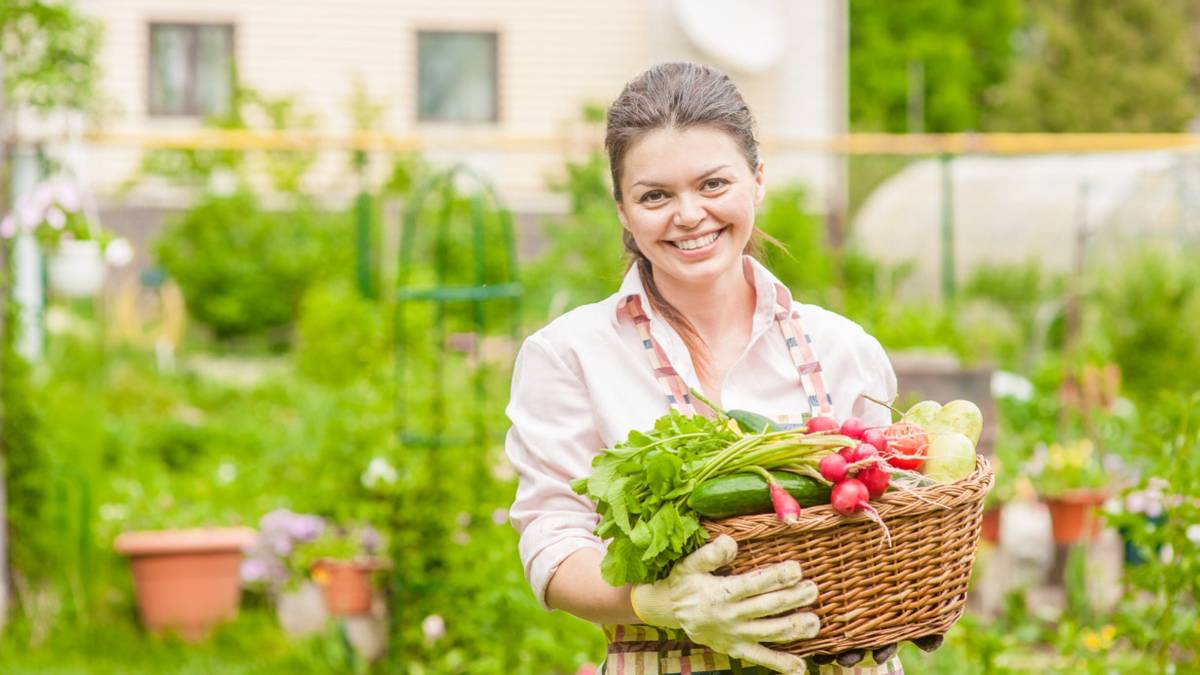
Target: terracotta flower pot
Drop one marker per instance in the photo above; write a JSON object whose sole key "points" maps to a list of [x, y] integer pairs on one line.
{"points": [[1074, 515], [347, 584], [186, 580], [991, 524]]}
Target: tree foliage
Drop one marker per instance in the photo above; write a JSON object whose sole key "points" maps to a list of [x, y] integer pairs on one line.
{"points": [[1085, 66], [963, 47]]}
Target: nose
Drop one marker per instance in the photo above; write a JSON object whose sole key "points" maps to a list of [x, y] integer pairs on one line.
{"points": [[690, 213]]}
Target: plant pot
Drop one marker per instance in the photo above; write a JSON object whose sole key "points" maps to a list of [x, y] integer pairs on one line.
{"points": [[990, 531], [77, 269], [347, 584], [1074, 515], [186, 580]]}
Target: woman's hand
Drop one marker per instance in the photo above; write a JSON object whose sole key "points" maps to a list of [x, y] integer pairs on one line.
{"points": [[725, 613]]}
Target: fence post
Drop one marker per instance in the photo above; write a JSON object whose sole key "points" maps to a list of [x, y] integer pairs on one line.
{"points": [[948, 282], [362, 216]]}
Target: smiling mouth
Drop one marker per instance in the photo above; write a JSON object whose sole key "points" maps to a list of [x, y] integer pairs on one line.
{"points": [[698, 242]]}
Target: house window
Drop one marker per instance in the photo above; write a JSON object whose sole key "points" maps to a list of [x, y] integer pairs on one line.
{"points": [[456, 77], [191, 68]]}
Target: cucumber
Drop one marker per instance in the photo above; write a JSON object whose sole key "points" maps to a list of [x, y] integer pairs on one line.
{"points": [[743, 494], [752, 423]]}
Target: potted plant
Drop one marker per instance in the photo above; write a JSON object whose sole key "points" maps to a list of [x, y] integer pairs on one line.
{"points": [[187, 579], [1073, 483], [343, 562], [79, 248], [299, 603]]}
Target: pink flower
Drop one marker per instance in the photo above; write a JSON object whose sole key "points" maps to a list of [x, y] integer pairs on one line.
{"points": [[500, 516], [1193, 534], [586, 669], [434, 627]]}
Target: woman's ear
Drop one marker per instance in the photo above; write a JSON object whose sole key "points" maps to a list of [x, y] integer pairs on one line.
{"points": [[621, 215], [760, 186]]}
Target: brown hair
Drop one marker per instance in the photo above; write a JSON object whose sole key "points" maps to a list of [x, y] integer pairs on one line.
{"points": [[676, 95]]}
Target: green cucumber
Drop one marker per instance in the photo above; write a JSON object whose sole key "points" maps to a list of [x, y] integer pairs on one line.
{"points": [[743, 494], [752, 423]]}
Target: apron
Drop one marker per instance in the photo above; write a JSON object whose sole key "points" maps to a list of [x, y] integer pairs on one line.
{"points": [[651, 650]]}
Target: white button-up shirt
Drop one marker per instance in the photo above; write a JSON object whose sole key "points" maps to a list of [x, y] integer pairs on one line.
{"points": [[583, 382]]}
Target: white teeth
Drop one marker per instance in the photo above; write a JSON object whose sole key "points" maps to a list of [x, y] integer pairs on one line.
{"points": [[692, 244]]}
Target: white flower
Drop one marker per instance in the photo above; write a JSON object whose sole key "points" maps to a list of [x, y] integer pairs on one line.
{"points": [[56, 218], [114, 512], [500, 516], [434, 627], [1193, 534], [67, 195], [8, 227], [1136, 502], [378, 471], [1011, 385], [119, 252], [226, 473]]}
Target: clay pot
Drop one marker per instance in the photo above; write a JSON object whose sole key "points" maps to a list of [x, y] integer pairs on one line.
{"points": [[1074, 515], [187, 580], [347, 584], [991, 525]]}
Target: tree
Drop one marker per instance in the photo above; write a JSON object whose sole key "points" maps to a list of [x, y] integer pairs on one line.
{"points": [[952, 52], [47, 62], [1098, 66]]}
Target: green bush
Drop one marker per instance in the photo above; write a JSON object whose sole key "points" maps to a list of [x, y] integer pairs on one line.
{"points": [[243, 269], [340, 335]]}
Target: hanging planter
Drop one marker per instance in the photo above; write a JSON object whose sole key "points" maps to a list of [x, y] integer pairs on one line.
{"points": [[186, 580], [77, 268], [1075, 515]]}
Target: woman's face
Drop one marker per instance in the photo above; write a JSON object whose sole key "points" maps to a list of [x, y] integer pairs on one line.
{"points": [[688, 197]]}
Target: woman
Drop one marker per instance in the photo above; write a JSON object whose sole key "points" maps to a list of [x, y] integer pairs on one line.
{"points": [[696, 311]]}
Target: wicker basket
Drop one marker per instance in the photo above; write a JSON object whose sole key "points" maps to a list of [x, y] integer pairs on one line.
{"points": [[871, 595]]}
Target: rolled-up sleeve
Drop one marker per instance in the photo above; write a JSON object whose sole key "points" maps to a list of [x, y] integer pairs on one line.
{"points": [[880, 379], [552, 441]]}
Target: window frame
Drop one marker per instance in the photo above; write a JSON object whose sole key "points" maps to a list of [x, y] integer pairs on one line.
{"points": [[497, 98], [191, 107]]}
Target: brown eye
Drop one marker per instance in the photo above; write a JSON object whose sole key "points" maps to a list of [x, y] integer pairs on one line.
{"points": [[648, 196], [715, 183]]}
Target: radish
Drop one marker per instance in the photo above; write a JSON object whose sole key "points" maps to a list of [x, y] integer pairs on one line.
{"points": [[817, 424], [875, 437], [863, 451], [833, 468], [849, 496], [847, 454], [786, 506], [853, 427], [876, 480]]}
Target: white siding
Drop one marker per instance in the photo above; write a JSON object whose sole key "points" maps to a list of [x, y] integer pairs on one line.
{"points": [[554, 55]]}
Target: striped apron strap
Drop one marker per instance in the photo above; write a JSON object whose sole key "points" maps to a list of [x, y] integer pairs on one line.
{"points": [[804, 355], [675, 389]]}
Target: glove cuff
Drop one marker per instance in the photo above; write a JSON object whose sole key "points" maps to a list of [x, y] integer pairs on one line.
{"points": [[652, 604]]}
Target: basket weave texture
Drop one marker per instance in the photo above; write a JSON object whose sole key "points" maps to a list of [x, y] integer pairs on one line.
{"points": [[870, 595]]}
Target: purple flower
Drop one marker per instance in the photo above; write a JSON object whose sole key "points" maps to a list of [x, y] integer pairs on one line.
{"points": [[304, 527], [372, 541]]}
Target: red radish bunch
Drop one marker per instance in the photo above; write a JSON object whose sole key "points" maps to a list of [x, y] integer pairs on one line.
{"points": [[858, 474]]}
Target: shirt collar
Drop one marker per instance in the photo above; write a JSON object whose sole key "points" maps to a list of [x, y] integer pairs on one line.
{"points": [[771, 294]]}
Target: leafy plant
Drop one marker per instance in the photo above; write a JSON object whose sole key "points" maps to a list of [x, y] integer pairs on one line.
{"points": [[243, 270]]}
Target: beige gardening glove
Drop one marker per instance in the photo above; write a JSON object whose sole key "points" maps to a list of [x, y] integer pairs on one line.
{"points": [[726, 613]]}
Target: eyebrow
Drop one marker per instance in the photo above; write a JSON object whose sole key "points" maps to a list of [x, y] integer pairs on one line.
{"points": [[703, 175]]}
